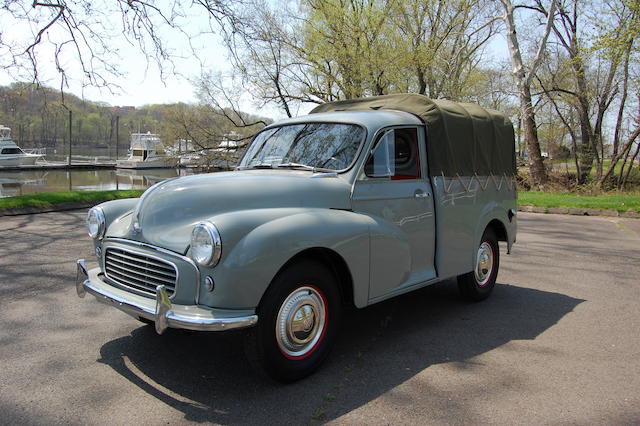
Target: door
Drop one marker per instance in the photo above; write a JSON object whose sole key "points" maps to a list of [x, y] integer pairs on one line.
{"points": [[394, 191]]}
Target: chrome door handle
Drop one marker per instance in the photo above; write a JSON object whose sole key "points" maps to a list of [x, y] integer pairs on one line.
{"points": [[422, 195]]}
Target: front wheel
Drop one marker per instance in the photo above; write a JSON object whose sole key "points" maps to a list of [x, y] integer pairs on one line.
{"points": [[478, 285], [298, 319]]}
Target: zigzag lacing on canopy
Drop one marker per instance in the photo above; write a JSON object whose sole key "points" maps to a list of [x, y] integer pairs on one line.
{"points": [[504, 179]]}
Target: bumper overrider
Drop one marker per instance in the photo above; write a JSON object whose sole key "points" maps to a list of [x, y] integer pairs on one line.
{"points": [[161, 310]]}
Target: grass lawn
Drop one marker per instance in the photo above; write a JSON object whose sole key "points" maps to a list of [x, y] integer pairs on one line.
{"points": [[619, 202], [45, 199], [613, 201]]}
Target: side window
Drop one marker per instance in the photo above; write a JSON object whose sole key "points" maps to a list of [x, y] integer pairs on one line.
{"points": [[395, 156], [11, 151]]}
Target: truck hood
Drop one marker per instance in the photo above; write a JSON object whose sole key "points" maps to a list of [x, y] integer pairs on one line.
{"points": [[167, 212]]}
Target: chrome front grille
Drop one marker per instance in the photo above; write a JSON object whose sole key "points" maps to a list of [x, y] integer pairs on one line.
{"points": [[139, 272]]}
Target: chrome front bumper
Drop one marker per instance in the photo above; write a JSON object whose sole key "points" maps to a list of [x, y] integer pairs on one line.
{"points": [[160, 310]]}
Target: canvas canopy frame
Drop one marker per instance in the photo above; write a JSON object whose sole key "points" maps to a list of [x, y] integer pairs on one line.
{"points": [[463, 139]]}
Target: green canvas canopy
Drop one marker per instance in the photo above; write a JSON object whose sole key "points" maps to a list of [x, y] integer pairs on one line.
{"points": [[462, 139]]}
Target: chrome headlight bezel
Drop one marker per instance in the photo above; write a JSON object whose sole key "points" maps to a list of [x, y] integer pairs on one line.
{"points": [[96, 229], [207, 254]]}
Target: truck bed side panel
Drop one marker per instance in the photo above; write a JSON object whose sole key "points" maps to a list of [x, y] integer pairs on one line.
{"points": [[464, 206]]}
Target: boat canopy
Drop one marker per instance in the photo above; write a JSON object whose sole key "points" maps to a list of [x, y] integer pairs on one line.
{"points": [[145, 141], [463, 139], [5, 132]]}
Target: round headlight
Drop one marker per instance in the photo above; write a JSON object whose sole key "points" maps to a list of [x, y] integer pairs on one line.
{"points": [[206, 246], [96, 222]]}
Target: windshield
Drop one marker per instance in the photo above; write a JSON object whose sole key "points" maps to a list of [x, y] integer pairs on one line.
{"points": [[311, 145]]}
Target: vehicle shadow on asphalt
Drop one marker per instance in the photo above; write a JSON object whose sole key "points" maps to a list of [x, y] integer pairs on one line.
{"points": [[206, 376]]}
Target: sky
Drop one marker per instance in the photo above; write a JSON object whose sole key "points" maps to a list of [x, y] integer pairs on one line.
{"points": [[141, 82]]}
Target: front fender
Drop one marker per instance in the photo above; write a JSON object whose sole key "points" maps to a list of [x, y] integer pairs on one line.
{"points": [[116, 208], [117, 214], [248, 265]]}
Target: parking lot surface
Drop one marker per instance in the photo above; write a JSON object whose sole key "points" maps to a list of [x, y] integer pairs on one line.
{"points": [[558, 342]]}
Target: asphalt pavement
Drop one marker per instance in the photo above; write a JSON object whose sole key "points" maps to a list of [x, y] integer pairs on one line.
{"points": [[558, 342]]}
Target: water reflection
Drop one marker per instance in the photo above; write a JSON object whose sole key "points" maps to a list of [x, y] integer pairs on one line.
{"points": [[14, 183]]}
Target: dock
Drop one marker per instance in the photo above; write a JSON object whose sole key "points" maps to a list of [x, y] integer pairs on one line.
{"points": [[61, 166]]}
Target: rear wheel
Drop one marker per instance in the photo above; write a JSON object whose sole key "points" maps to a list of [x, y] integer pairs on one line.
{"points": [[298, 319], [478, 284]]}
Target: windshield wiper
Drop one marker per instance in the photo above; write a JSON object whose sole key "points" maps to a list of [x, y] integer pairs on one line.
{"points": [[302, 166], [297, 166], [261, 166]]}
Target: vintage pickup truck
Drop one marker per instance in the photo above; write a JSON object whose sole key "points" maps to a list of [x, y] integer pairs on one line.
{"points": [[357, 202]]}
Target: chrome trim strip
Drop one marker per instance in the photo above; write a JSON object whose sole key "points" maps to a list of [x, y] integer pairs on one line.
{"points": [[168, 253], [164, 314], [147, 293], [325, 175]]}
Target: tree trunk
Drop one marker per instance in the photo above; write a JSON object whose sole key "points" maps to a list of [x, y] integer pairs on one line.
{"points": [[422, 89], [633, 159], [625, 155], [523, 79], [623, 101], [536, 165], [585, 147], [615, 159]]}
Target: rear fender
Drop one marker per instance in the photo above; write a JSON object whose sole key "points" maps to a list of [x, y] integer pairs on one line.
{"points": [[494, 211]]}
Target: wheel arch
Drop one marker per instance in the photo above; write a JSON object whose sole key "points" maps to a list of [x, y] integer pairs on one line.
{"points": [[331, 260], [499, 229], [497, 218]]}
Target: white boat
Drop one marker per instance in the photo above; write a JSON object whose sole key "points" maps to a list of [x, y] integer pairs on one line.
{"points": [[10, 154], [193, 159], [146, 152]]}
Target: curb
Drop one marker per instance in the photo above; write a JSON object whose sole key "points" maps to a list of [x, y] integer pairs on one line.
{"points": [[528, 209], [579, 212], [46, 209]]}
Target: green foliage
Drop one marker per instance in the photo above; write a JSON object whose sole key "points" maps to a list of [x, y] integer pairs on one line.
{"points": [[613, 201], [364, 48], [46, 199], [351, 45], [618, 27], [38, 117]]}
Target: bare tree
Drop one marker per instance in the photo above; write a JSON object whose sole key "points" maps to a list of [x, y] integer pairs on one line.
{"points": [[585, 75], [523, 76], [75, 39]]}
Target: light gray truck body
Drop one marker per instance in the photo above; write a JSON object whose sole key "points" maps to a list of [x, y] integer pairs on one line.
{"points": [[358, 202]]}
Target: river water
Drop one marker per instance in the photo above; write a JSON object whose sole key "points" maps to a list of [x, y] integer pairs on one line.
{"points": [[21, 182]]}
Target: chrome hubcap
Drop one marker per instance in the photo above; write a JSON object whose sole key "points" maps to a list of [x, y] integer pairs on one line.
{"points": [[484, 264], [300, 322]]}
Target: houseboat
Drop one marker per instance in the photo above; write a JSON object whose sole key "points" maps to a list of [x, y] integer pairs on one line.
{"points": [[146, 152]]}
